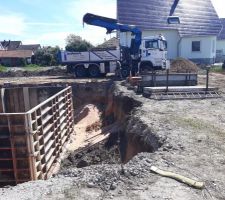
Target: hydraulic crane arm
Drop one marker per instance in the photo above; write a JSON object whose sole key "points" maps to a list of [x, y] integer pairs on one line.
{"points": [[111, 25]]}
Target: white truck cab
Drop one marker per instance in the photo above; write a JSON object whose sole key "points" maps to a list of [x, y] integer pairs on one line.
{"points": [[153, 52]]}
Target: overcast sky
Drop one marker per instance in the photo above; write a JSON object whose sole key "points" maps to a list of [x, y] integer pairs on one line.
{"points": [[48, 22]]}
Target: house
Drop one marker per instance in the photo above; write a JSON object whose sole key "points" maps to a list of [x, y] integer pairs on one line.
{"points": [[220, 45], [194, 38], [10, 45], [33, 47], [1, 47], [111, 43], [15, 57]]}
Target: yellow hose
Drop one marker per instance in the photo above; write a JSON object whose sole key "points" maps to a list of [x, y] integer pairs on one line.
{"points": [[183, 179]]}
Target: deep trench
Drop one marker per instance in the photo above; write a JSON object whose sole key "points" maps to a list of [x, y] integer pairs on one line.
{"points": [[127, 135], [124, 142]]}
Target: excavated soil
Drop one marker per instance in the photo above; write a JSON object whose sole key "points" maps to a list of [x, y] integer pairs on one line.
{"points": [[186, 137], [182, 65], [91, 143]]}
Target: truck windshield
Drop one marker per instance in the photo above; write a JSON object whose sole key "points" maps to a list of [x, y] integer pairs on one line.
{"points": [[151, 44]]}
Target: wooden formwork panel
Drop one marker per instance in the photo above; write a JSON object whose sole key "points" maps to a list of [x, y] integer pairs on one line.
{"points": [[31, 142], [13, 149]]}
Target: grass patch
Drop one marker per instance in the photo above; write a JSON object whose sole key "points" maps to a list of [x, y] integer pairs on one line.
{"points": [[217, 69], [33, 67], [200, 125], [3, 68]]}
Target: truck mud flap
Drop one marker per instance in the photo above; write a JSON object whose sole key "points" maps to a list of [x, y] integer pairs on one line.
{"points": [[107, 67]]}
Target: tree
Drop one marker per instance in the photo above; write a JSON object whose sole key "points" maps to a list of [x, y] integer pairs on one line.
{"points": [[46, 56], [76, 43]]}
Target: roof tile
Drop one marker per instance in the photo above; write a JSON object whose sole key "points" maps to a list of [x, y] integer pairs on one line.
{"points": [[197, 17], [16, 54]]}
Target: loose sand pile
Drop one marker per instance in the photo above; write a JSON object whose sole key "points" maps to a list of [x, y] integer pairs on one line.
{"points": [[181, 65]]}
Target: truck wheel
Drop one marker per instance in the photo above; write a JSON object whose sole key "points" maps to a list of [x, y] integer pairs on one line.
{"points": [[125, 72], [94, 71], [146, 67], [80, 71], [69, 69]]}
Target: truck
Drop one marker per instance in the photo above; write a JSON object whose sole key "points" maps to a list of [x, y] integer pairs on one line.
{"points": [[143, 54]]}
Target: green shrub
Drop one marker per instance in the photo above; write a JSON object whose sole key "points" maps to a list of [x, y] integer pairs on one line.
{"points": [[217, 69], [3, 68]]}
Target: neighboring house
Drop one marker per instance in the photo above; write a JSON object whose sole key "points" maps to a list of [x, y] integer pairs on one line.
{"points": [[220, 45], [1, 47], [15, 57], [111, 43], [33, 47], [194, 38], [10, 45]]}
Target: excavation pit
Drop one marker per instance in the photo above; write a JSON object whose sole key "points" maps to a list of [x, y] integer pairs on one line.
{"points": [[31, 117], [35, 125], [120, 142]]}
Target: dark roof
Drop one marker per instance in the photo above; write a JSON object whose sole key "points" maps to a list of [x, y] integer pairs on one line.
{"points": [[221, 35], [32, 47], [197, 17], [16, 54], [11, 45]]}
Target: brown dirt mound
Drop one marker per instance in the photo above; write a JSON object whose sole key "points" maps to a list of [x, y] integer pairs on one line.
{"points": [[181, 65], [94, 127]]}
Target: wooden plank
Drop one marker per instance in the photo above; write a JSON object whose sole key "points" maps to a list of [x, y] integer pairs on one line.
{"points": [[26, 98]]}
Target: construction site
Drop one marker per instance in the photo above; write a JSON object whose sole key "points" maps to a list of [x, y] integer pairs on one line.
{"points": [[67, 138], [143, 119]]}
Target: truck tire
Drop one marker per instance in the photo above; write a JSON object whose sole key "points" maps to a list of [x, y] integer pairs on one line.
{"points": [[125, 72], [94, 71], [146, 67], [80, 71], [69, 69]]}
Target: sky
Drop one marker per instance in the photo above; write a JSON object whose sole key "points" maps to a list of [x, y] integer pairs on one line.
{"points": [[49, 22]]}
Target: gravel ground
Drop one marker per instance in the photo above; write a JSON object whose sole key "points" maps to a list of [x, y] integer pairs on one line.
{"points": [[194, 145]]}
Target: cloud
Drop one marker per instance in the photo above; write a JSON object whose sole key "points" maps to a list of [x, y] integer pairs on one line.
{"points": [[219, 6], [49, 39], [77, 8], [51, 24], [12, 24], [18, 26], [95, 35]]}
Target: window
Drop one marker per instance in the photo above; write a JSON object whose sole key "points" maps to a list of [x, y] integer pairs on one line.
{"points": [[196, 46], [151, 44]]}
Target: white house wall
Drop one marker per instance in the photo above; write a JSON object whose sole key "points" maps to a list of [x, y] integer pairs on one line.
{"points": [[207, 51], [171, 36], [220, 45]]}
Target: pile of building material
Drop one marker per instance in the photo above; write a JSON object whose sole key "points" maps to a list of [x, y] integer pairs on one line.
{"points": [[182, 65]]}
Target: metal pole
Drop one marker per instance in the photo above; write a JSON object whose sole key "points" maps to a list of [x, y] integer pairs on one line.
{"points": [[207, 79], [167, 80]]}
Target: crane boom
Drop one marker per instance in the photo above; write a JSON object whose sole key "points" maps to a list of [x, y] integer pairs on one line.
{"points": [[111, 25]]}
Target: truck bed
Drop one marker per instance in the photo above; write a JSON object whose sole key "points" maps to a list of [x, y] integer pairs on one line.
{"points": [[89, 56]]}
